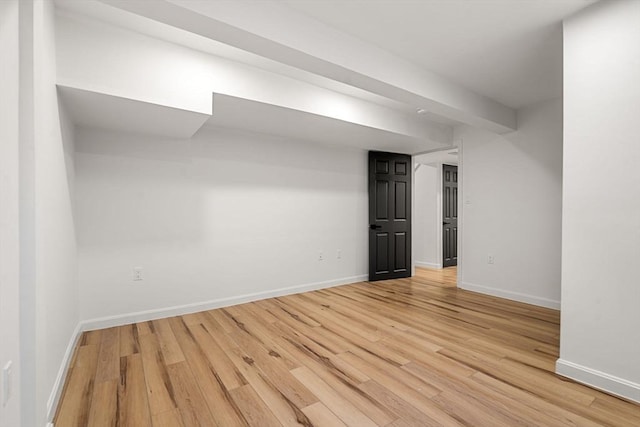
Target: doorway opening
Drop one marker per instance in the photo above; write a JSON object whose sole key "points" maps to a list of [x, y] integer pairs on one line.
{"points": [[437, 231]]}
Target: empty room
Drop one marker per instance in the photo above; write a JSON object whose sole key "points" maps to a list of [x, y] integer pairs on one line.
{"points": [[319, 213]]}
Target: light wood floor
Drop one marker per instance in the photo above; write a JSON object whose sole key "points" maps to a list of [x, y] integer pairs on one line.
{"points": [[410, 352]]}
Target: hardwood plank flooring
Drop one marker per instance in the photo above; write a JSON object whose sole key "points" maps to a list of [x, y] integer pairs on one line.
{"points": [[408, 352]]}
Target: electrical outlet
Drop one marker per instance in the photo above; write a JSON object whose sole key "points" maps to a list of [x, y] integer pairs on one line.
{"points": [[339, 254], [137, 274], [6, 383], [490, 259], [320, 256]]}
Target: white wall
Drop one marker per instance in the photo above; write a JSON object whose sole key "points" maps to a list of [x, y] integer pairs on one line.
{"points": [[9, 213], [28, 339], [512, 207], [600, 335], [212, 219], [56, 298], [425, 221]]}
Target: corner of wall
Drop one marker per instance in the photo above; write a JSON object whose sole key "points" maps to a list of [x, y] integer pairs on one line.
{"points": [[65, 365], [511, 295], [428, 264], [600, 380]]}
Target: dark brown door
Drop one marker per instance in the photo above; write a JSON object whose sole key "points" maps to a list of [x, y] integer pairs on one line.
{"points": [[449, 215], [389, 215]]}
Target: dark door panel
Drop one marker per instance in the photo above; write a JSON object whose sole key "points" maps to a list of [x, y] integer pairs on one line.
{"points": [[389, 215], [449, 215]]}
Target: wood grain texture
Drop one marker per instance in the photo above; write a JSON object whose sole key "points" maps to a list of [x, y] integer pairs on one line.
{"points": [[104, 405], [133, 403], [74, 409], [405, 352]]}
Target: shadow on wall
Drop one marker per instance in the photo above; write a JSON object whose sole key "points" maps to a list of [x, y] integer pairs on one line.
{"points": [[219, 215], [166, 186]]}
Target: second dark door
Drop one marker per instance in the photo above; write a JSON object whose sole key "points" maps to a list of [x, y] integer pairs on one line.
{"points": [[449, 215]]}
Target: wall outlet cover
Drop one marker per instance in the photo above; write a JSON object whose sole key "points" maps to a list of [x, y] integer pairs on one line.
{"points": [[137, 273]]}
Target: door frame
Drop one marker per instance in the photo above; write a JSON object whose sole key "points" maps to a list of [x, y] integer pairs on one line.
{"points": [[462, 203]]}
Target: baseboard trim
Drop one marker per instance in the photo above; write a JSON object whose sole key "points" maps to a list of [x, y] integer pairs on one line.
{"points": [[58, 385], [143, 316], [515, 296], [428, 264], [600, 380]]}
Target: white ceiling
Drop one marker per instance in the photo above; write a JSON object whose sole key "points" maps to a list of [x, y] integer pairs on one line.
{"points": [[103, 111], [105, 13], [507, 50], [237, 113], [95, 110]]}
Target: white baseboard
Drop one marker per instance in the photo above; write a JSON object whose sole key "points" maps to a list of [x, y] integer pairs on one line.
{"points": [[427, 264], [515, 296], [600, 380], [143, 316], [56, 392]]}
